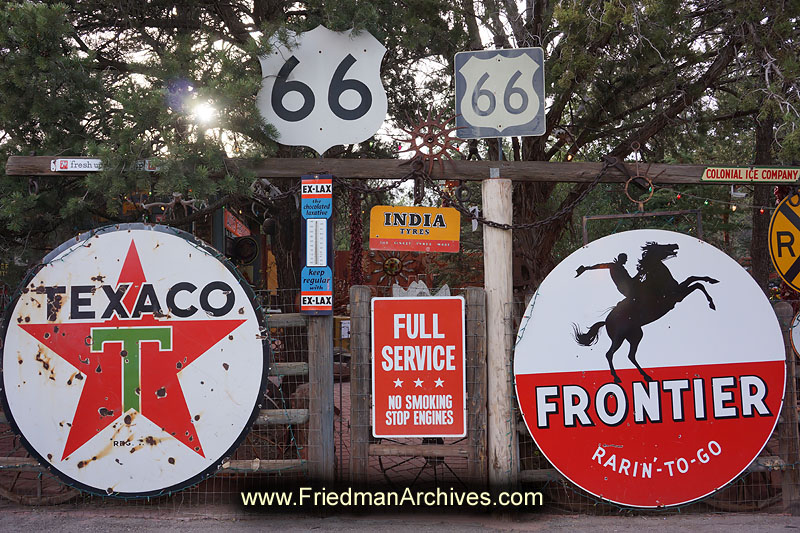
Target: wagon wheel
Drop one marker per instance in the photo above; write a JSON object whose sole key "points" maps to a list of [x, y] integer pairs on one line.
{"points": [[407, 471], [29, 484]]}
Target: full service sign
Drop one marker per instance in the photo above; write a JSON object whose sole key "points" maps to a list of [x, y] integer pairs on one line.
{"points": [[631, 378], [316, 278], [418, 370], [133, 362], [423, 229], [750, 174]]}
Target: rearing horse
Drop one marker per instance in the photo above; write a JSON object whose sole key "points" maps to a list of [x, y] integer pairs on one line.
{"points": [[649, 295]]}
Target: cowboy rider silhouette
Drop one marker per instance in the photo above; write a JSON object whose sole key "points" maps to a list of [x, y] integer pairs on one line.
{"points": [[625, 283]]}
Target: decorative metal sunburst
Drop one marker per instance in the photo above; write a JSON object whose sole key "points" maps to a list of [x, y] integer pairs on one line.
{"points": [[431, 140], [391, 267]]}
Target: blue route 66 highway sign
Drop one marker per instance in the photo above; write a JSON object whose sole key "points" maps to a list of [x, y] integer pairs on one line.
{"points": [[500, 93]]}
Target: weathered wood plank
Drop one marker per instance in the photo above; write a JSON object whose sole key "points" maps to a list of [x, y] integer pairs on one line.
{"points": [[788, 437], [394, 169], [476, 384], [545, 474], [286, 320], [359, 384], [289, 369], [264, 466], [423, 450], [266, 417], [277, 417], [320, 378]]}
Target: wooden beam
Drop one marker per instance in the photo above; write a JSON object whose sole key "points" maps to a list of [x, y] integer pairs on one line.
{"points": [[423, 450], [286, 320], [360, 384], [320, 378], [289, 369], [476, 385], [264, 465], [395, 169]]}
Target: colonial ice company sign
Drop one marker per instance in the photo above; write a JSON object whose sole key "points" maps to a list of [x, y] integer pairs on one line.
{"points": [[650, 368], [132, 361]]}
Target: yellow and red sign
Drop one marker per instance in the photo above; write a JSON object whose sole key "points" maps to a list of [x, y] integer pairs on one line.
{"points": [[235, 226], [418, 370], [420, 229], [784, 240], [751, 174]]}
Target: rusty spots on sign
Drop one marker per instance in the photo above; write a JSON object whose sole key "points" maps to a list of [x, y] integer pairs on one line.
{"points": [[117, 461], [55, 329], [46, 335], [138, 391], [84, 361], [226, 366], [45, 361], [103, 411], [150, 440], [162, 392], [178, 365], [49, 456], [98, 369], [27, 319], [171, 460], [87, 341], [19, 359], [241, 310], [99, 278], [123, 353], [230, 337], [196, 418], [128, 419], [81, 464]]}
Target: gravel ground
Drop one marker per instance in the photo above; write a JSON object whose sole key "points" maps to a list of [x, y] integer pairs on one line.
{"points": [[220, 518]]}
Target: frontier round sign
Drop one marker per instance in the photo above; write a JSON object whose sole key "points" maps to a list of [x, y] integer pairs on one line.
{"points": [[650, 368], [133, 362]]}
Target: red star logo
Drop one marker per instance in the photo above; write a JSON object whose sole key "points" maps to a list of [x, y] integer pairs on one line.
{"points": [[131, 365]]}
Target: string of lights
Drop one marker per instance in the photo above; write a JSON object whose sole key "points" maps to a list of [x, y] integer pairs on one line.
{"points": [[762, 209]]}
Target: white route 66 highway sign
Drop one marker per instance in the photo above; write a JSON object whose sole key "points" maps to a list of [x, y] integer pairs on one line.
{"points": [[500, 93], [323, 89]]}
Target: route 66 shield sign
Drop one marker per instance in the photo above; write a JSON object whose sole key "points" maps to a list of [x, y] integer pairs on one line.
{"points": [[133, 361], [324, 88], [500, 93]]}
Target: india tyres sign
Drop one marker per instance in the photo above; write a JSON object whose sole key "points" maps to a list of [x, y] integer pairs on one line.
{"points": [[650, 368], [133, 361]]}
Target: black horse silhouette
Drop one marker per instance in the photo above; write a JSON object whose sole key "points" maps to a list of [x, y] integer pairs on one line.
{"points": [[649, 295]]}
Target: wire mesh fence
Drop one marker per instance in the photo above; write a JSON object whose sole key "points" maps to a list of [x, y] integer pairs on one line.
{"points": [[282, 435]]}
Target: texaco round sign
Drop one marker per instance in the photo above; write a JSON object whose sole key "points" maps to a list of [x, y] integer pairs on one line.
{"points": [[133, 362], [650, 368]]}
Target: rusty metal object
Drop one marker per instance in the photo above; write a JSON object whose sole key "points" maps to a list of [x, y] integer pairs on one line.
{"points": [[431, 141]]}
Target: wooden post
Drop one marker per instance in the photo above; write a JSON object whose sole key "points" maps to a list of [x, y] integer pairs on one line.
{"points": [[476, 385], [788, 438], [497, 280], [360, 383], [320, 376]]}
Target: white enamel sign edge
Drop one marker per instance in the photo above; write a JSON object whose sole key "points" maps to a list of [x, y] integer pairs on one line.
{"points": [[547, 346], [324, 68], [220, 368], [461, 357]]}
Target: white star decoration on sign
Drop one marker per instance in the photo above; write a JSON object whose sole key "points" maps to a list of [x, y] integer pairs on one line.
{"points": [[398, 383], [439, 382], [418, 382]]}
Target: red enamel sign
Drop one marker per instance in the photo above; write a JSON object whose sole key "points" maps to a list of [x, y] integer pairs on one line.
{"points": [[650, 368], [418, 371]]}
